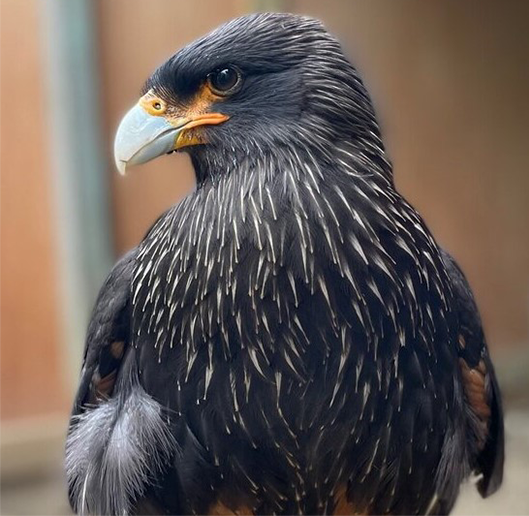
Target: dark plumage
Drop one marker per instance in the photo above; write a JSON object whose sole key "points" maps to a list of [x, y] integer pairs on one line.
{"points": [[293, 340]]}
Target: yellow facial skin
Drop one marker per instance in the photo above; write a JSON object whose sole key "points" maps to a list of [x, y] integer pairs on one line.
{"points": [[188, 118]]}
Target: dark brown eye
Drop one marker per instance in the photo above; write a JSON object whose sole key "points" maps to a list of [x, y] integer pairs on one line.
{"points": [[224, 81]]}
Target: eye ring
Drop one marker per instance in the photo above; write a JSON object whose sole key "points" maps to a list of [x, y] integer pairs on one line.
{"points": [[224, 81]]}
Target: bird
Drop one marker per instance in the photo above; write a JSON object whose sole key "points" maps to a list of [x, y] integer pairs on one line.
{"points": [[289, 338]]}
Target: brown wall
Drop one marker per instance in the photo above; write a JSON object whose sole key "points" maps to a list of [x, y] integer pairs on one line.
{"points": [[32, 382]]}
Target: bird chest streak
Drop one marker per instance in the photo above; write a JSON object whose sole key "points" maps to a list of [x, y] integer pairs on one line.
{"points": [[223, 252]]}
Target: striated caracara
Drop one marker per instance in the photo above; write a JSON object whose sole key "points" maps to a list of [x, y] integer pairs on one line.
{"points": [[288, 339]]}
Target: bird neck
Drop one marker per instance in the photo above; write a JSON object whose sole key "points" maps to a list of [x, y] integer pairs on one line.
{"points": [[302, 161]]}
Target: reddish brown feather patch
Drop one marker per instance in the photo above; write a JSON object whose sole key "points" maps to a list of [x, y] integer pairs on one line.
{"points": [[474, 386], [102, 387], [220, 509], [105, 385], [116, 349], [343, 507]]}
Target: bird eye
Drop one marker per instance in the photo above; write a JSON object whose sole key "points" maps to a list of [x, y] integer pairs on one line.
{"points": [[224, 81]]}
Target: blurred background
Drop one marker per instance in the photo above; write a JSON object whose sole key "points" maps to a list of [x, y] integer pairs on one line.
{"points": [[450, 81]]}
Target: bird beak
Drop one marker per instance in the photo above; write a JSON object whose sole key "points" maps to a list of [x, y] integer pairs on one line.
{"points": [[148, 131]]}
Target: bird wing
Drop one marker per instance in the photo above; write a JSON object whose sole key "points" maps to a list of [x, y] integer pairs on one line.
{"points": [[118, 437], [481, 392], [107, 337]]}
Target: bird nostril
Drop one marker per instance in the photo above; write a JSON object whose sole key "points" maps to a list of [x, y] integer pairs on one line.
{"points": [[157, 106]]}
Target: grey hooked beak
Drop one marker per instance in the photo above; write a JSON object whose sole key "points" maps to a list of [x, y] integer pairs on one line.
{"points": [[142, 137], [151, 129]]}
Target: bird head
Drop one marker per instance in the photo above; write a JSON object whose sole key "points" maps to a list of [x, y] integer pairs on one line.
{"points": [[259, 84]]}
